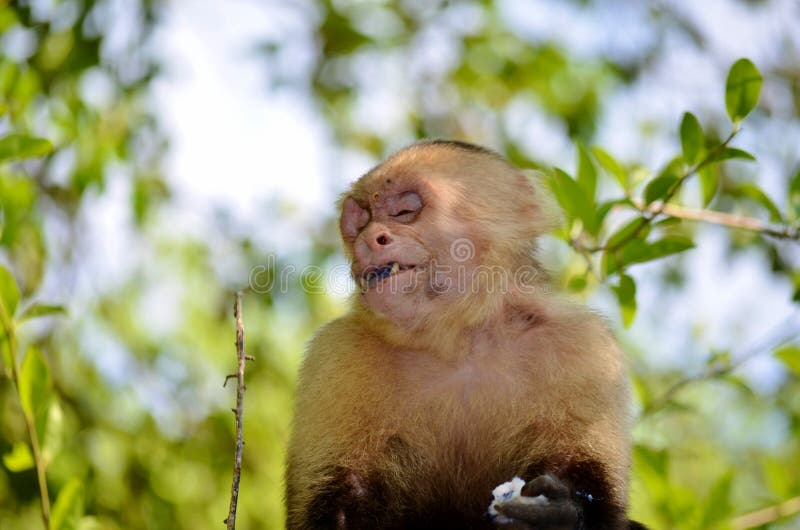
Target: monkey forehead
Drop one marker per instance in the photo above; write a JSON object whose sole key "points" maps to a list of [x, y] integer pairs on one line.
{"points": [[436, 168]]}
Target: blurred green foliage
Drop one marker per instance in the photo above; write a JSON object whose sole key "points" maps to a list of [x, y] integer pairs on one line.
{"points": [[125, 414]]}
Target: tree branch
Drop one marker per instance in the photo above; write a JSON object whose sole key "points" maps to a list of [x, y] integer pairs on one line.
{"points": [[720, 218], [242, 359], [767, 515], [785, 332], [38, 458]]}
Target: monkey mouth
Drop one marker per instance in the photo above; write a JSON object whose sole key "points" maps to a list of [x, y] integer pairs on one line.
{"points": [[374, 274]]}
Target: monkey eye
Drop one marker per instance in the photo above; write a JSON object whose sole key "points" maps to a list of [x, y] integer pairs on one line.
{"points": [[407, 206]]}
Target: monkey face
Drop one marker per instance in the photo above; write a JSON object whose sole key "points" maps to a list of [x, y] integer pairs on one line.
{"points": [[436, 230], [400, 234], [390, 258]]}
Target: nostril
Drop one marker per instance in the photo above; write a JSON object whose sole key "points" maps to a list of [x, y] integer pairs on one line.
{"points": [[382, 240]]}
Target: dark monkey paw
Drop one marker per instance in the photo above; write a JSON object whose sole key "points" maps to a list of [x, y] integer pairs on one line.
{"points": [[544, 503]]}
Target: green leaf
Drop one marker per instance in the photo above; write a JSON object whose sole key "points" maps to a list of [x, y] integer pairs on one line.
{"points": [[626, 295], [604, 208], [658, 249], [39, 310], [732, 152], [659, 187], [612, 166], [627, 230], [572, 198], [34, 390], [666, 221], [757, 195], [778, 477], [9, 292], [609, 263], [587, 173], [653, 462], [577, 284], [718, 504], [790, 356], [19, 458], [18, 146], [692, 139], [68, 509], [5, 351], [794, 195], [709, 182], [742, 89]]}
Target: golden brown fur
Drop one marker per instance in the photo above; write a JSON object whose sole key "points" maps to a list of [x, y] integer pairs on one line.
{"points": [[445, 395]]}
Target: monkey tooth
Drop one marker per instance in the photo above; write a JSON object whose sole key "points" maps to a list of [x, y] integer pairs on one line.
{"points": [[374, 274]]}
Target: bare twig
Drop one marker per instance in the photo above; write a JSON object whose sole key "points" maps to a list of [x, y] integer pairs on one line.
{"points": [[38, 458], [767, 515], [720, 218], [785, 332], [241, 358]]}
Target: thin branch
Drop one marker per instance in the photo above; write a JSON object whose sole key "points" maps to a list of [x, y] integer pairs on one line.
{"points": [[782, 334], [767, 515], [720, 218], [38, 459], [650, 215], [242, 359]]}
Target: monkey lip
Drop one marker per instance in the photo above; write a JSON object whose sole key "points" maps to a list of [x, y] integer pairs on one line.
{"points": [[374, 274]]}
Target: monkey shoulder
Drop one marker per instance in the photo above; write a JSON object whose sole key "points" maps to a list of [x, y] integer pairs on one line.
{"points": [[342, 357], [568, 344], [562, 327]]}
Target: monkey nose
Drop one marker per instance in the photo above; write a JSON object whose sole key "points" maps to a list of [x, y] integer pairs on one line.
{"points": [[383, 239]]}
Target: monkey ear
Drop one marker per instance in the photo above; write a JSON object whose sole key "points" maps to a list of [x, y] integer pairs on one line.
{"points": [[353, 219], [549, 214]]}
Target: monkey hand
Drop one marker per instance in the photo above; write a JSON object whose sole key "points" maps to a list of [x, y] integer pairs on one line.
{"points": [[544, 503]]}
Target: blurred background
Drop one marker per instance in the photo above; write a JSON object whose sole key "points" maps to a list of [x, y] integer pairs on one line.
{"points": [[199, 147]]}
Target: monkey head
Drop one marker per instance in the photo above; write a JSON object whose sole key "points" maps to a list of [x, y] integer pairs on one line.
{"points": [[440, 227]]}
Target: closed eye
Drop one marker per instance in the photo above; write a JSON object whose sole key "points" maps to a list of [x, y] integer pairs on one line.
{"points": [[403, 212]]}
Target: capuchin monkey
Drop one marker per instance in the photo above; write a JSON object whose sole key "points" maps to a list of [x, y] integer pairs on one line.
{"points": [[456, 369]]}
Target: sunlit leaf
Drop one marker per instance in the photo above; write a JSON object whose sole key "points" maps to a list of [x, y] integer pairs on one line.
{"points": [[34, 389], [794, 195], [612, 166], [742, 89], [608, 263], [666, 221], [730, 153], [40, 310], [68, 509], [577, 283], [653, 462], [572, 198], [634, 226], [779, 479], [626, 295], [659, 187], [605, 208], [790, 356], [692, 139], [640, 251], [757, 195], [718, 505], [709, 182], [9, 292], [19, 458], [18, 146], [587, 173]]}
